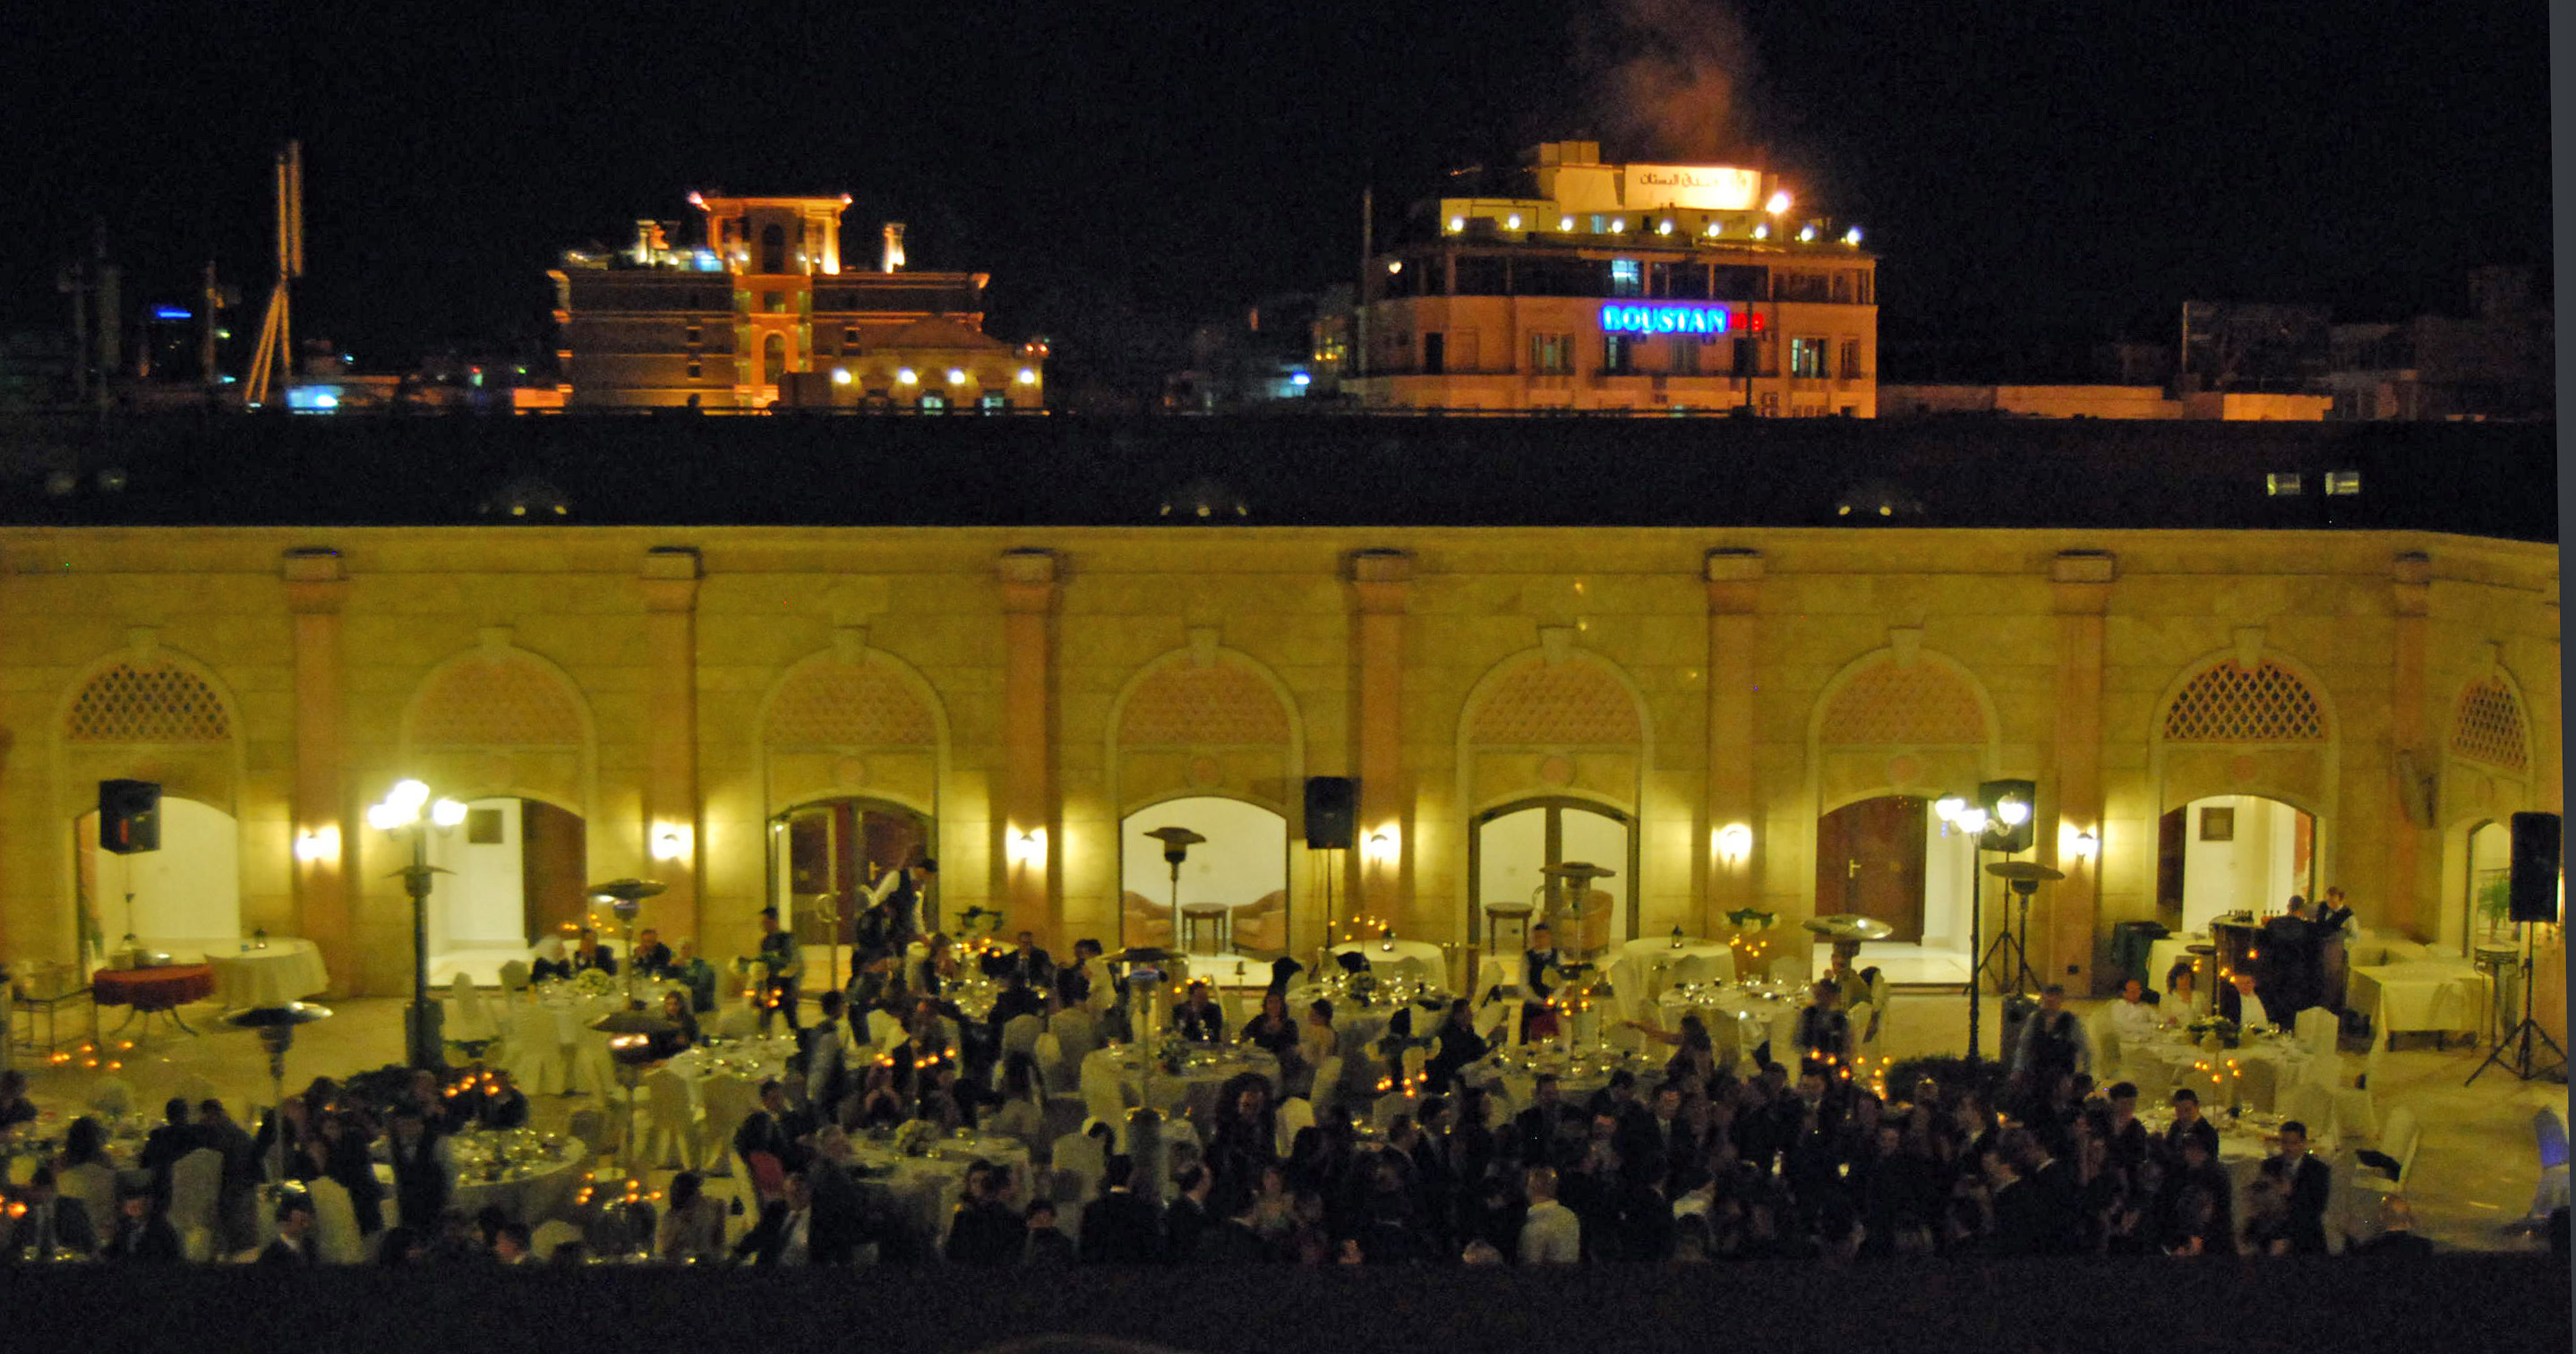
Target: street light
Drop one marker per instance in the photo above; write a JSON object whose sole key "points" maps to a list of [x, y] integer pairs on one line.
{"points": [[398, 815], [1998, 819]]}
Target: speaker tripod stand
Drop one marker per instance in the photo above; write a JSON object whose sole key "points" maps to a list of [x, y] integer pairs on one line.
{"points": [[2010, 954], [2519, 1039]]}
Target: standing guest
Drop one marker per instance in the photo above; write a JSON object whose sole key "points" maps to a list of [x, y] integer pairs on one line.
{"points": [[1824, 1032], [904, 894], [782, 965], [2052, 1045], [2288, 955], [826, 1076], [349, 1159], [588, 953], [235, 1204], [1549, 1127], [1119, 1228], [163, 1146], [421, 1170], [2310, 1189], [2330, 968], [1538, 1014], [1048, 1247], [294, 1244], [1082, 984], [698, 974], [652, 957], [2122, 1135], [1551, 1234], [1458, 1045]]}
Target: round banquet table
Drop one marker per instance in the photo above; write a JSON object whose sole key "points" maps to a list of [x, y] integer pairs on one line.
{"points": [[1578, 1073], [925, 1190], [1193, 1089], [289, 969], [1759, 1014], [148, 990], [755, 1060], [530, 1197], [2287, 1061], [1379, 952]]}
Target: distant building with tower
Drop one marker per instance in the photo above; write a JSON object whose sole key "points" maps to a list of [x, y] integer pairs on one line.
{"points": [[761, 313], [1637, 288]]}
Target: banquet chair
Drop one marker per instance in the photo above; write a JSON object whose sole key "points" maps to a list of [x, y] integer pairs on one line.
{"points": [[1075, 1162], [95, 1186], [729, 1100], [535, 1052], [1327, 1089], [594, 1072], [1107, 1100], [2549, 1133], [335, 1223], [468, 1024], [2106, 1046], [514, 979], [1294, 1113], [737, 1022], [1693, 968], [2399, 1136], [2257, 1082], [112, 1097], [1020, 1034], [671, 1133], [2315, 1029], [551, 1234], [1078, 1030], [2154, 1079], [196, 1196], [2309, 1103]]}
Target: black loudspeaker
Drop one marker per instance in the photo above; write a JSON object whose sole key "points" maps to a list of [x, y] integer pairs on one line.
{"points": [[2535, 867], [1332, 812], [129, 816]]}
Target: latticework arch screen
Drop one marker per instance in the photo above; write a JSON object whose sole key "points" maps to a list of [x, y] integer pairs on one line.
{"points": [[1548, 704], [2488, 727], [505, 702], [1885, 704], [1184, 705], [127, 704], [2232, 704], [848, 705]]}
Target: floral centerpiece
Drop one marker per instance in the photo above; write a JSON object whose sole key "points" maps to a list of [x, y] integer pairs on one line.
{"points": [[2215, 1032], [494, 1154], [592, 982], [913, 1137]]}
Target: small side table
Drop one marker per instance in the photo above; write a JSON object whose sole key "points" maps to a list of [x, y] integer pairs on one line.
{"points": [[1507, 918], [150, 992], [1213, 917], [47, 1009]]}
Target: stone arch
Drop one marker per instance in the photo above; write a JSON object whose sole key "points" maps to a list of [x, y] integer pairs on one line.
{"points": [[853, 721], [1899, 720], [1554, 722], [505, 720], [2249, 720], [152, 713], [2488, 725], [1542, 698]]}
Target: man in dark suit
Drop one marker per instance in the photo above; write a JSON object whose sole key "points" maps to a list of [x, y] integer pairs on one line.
{"points": [[2240, 1002], [1119, 1228], [2187, 1124], [163, 1146], [1550, 1130], [2397, 1232], [987, 1232], [1235, 1241], [1031, 964], [1188, 1216], [1198, 1017], [785, 1233], [52, 1224], [293, 1246], [2311, 1188], [2288, 947], [143, 1231], [589, 954], [652, 957]]}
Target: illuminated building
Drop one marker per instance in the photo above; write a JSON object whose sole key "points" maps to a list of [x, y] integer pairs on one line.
{"points": [[762, 312], [1665, 289]]}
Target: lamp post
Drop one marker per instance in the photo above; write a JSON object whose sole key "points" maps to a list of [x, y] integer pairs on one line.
{"points": [[276, 1026], [401, 813], [1997, 820], [625, 897], [1177, 842]]}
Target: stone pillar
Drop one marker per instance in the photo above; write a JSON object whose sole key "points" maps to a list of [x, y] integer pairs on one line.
{"points": [[2081, 580], [1026, 798], [1734, 594], [671, 821], [1382, 581], [2410, 588], [323, 832]]}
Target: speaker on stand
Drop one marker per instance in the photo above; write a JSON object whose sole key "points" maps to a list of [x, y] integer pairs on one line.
{"points": [[2533, 899], [1332, 824]]}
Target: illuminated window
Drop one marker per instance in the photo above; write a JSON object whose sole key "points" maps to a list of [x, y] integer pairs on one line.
{"points": [[1849, 366], [1686, 356], [934, 404], [1806, 357], [2280, 485], [993, 402], [2343, 482], [1552, 354], [1618, 354], [1626, 278]]}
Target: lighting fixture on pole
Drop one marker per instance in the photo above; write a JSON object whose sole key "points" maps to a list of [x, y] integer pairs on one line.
{"points": [[407, 810], [1998, 819]]}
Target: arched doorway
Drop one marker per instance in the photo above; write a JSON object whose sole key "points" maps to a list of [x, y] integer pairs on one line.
{"points": [[1243, 865], [1890, 857], [2234, 853], [773, 358], [517, 874], [826, 854], [2489, 899], [1511, 846], [184, 897]]}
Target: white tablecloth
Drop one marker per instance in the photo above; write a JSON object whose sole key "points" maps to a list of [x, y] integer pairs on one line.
{"points": [[1578, 1073], [1193, 1089], [925, 1190], [1759, 1016], [754, 1060], [531, 1198], [2419, 996], [288, 970], [2285, 1059], [1381, 952]]}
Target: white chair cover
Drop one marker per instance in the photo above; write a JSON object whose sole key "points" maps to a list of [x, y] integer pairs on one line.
{"points": [[536, 1054], [729, 1100], [467, 1021], [2316, 1030], [2256, 1080], [1078, 1030], [112, 1097], [2154, 1079], [1105, 1099], [1020, 1034], [2399, 1138], [737, 1022], [1077, 1161], [2311, 1105], [1294, 1114], [196, 1195], [1693, 968], [671, 1138], [95, 1186], [1052, 1064], [1328, 1082], [335, 1223], [543, 1242], [884, 1031], [514, 977]]}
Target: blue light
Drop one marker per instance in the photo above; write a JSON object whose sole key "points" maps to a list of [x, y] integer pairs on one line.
{"points": [[172, 313], [707, 263], [313, 399], [1636, 319], [1300, 380]]}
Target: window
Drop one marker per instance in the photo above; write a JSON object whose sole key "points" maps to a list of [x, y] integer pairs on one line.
{"points": [[1680, 281], [1435, 354], [697, 335], [849, 338], [1686, 356], [1552, 354], [773, 302], [773, 250], [1843, 285], [1861, 287], [1806, 357], [1801, 287], [1739, 282], [993, 402], [2343, 482], [1618, 354], [1770, 404], [1626, 278], [2281, 485], [934, 404], [696, 371], [1849, 367], [1555, 277]]}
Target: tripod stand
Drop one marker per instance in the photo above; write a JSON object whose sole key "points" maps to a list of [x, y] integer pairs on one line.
{"points": [[2519, 1038], [2011, 951]]}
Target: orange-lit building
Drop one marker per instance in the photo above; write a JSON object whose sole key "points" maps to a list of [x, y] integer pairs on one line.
{"points": [[1663, 289], [762, 312]]}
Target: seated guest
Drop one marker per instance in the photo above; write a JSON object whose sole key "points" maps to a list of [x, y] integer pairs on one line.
{"points": [[84, 1144], [2240, 1003], [1198, 1017], [684, 1034], [15, 1107], [143, 1231], [1187, 1218], [2187, 1123], [698, 974], [1029, 963], [1119, 1227], [784, 1236], [49, 1223], [652, 957], [1048, 1247], [504, 1105], [1458, 1045], [880, 1104], [2133, 1019], [549, 963], [293, 1245], [986, 1232], [1272, 1031], [1316, 1039], [421, 1168], [692, 1230], [163, 1146], [1022, 1113], [588, 953], [2182, 991], [1551, 1234], [402, 1248], [1084, 984], [2396, 1231], [1018, 997]]}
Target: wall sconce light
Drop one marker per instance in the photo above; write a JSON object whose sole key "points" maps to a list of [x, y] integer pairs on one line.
{"points": [[1383, 846], [316, 844], [670, 842], [1026, 848], [1735, 843], [2087, 846]]}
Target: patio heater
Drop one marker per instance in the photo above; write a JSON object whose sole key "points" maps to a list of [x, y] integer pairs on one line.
{"points": [[625, 898], [276, 1026]]}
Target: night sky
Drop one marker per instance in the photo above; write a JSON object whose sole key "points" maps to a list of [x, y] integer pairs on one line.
{"points": [[1125, 169]]}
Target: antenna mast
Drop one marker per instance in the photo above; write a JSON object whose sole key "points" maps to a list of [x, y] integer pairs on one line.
{"points": [[276, 353]]}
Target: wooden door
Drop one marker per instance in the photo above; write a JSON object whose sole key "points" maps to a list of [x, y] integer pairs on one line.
{"points": [[2171, 849], [553, 852], [1870, 859]]}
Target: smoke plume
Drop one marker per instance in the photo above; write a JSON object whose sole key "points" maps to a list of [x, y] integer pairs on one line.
{"points": [[1671, 79]]}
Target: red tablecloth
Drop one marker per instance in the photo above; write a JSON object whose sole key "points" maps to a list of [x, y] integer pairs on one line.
{"points": [[152, 989]]}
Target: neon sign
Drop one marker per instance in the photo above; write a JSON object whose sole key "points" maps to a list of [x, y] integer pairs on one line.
{"points": [[1621, 318]]}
